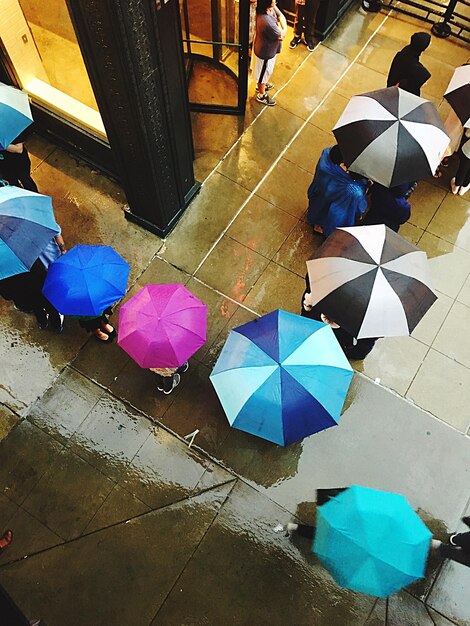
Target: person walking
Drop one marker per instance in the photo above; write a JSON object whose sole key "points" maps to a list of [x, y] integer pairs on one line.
{"points": [[389, 206], [336, 197], [355, 349], [169, 377], [304, 23], [15, 166], [406, 69], [457, 547], [460, 184], [271, 29]]}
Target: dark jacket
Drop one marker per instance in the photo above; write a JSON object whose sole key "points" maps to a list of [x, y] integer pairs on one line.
{"points": [[406, 70], [388, 206]]}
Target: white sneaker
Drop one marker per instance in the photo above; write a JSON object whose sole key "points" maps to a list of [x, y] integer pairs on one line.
{"points": [[265, 99]]}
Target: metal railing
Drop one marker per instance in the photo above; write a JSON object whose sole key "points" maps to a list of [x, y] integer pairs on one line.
{"points": [[448, 18]]}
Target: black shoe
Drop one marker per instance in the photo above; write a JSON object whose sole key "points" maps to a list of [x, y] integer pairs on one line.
{"points": [[183, 369], [42, 318], [466, 520], [174, 383], [56, 323], [294, 43]]}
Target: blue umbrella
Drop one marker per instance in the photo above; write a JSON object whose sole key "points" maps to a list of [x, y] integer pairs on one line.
{"points": [[86, 280], [371, 541], [282, 377], [27, 225], [15, 114]]}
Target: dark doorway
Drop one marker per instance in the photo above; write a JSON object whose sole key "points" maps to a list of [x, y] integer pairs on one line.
{"points": [[215, 45]]}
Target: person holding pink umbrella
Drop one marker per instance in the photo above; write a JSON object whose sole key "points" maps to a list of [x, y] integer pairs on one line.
{"points": [[160, 328]]}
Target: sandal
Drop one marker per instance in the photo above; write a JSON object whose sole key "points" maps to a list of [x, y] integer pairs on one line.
{"points": [[107, 329], [100, 335], [6, 539]]}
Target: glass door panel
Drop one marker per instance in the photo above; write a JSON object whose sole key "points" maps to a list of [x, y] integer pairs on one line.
{"points": [[215, 40]]}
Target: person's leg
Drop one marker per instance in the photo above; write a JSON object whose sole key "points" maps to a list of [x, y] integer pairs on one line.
{"points": [[462, 540], [264, 69], [298, 22], [302, 530], [24, 171], [463, 171], [170, 382], [310, 18]]}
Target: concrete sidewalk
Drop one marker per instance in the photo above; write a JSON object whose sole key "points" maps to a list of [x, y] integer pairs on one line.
{"points": [[119, 520]]}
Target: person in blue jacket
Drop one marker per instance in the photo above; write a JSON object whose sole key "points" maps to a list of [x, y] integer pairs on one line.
{"points": [[336, 197]]}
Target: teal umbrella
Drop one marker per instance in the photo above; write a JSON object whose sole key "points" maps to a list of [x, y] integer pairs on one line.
{"points": [[371, 541]]}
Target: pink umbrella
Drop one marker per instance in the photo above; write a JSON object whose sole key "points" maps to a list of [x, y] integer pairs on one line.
{"points": [[162, 326]]}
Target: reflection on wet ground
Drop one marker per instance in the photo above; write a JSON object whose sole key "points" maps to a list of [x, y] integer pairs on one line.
{"points": [[121, 522]]}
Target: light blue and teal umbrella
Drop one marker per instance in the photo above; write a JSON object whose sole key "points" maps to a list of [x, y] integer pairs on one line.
{"points": [[282, 377], [15, 114], [27, 225], [371, 541]]}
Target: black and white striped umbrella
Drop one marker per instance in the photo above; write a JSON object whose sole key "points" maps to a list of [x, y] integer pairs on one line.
{"points": [[391, 136], [371, 281], [458, 94]]}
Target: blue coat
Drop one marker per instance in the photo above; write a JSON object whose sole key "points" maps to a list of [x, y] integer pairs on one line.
{"points": [[334, 198]]}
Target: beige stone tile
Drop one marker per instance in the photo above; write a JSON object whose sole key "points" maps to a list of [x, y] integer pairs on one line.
{"points": [[378, 55], [464, 294], [259, 147], [452, 221], [450, 339], [277, 288], [262, 227], [442, 387], [232, 268], [425, 201], [401, 27], [430, 324], [307, 148], [395, 361], [219, 312], [450, 265], [353, 31], [312, 82], [301, 245], [330, 112], [209, 213], [441, 73], [411, 233], [359, 80], [286, 186]]}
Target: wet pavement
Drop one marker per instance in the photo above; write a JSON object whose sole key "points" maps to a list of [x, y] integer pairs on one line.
{"points": [[119, 520]]}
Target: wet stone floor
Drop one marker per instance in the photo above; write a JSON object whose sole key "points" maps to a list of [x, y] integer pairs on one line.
{"points": [[121, 522]]}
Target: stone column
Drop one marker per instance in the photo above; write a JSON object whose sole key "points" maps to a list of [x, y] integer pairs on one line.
{"points": [[134, 56]]}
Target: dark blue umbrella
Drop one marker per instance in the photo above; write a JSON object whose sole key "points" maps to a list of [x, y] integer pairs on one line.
{"points": [[15, 114], [86, 280], [27, 225]]}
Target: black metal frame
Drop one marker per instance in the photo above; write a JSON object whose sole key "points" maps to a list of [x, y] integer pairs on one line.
{"points": [[243, 59], [453, 22]]}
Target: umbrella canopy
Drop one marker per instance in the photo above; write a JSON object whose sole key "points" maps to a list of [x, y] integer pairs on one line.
{"points": [[27, 225], [371, 281], [15, 114], [86, 280], [162, 326], [371, 541], [282, 377], [391, 136], [458, 94]]}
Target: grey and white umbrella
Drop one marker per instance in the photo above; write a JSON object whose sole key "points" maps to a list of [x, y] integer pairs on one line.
{"points": [[371, 281], [391, 136], [458, 94]]}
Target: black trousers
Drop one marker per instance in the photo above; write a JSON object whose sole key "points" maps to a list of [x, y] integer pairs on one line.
{"points": [[16, 169], [305, 20], [462, 178]]}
